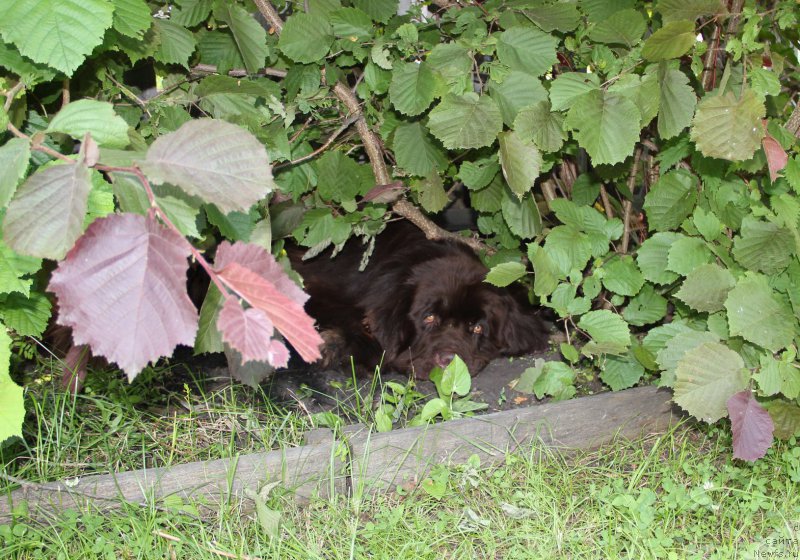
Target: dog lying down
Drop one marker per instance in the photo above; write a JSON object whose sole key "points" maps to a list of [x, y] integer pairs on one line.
{"points": [[417, 304]]}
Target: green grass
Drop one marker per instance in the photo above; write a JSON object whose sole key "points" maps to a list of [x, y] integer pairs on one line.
{"points": [[677, 495]]}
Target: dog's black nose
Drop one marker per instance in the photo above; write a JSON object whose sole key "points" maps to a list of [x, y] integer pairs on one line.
{"points": [[443, 359]]}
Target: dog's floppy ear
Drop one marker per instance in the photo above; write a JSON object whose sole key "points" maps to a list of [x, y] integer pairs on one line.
{"points": [[389, 323], [520, 330]]}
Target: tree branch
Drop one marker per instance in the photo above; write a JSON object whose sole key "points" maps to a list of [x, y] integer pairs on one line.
{"points": [[627, 205]]}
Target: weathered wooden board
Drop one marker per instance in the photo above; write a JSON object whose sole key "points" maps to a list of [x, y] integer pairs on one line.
{"points": [[377, 461]]}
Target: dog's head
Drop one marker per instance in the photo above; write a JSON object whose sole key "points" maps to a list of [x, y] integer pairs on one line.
{"points": [[446, 309]]}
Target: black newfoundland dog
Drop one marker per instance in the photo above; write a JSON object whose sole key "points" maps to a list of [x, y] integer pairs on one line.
{"points": [[417, 304]]}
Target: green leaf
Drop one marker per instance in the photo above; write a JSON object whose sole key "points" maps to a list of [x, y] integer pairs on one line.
{"points": [[610, 333], [477, 174], [520, 162], [517, 90], [181, 213], [432, 409], [658, 337], [208, 337], [571, 86], [777, 376], [12, 404], [338, 177], [545, 128], [352, 23], [545, 273], [14, 156], [670, 200], [676, 348], [217, 161], [416, 151], [707, 223], [527, 49], [642, 90], [598, 10], [453, 63], [59, 33], [561, 16], [455, 379], [13, 268], [677, 101], [690, 10], [728, 128], [45, 217], [786, 417], [413, 88], [621, 372], [306, 38], [250, 36], [379, 10], [622, 276], [605, 124], [569, 248], [706, 288], [95, 117], [548, 378], [27, 316], [624, 27], [758, 316], [466, 121], [432, 196], [505, 273], [191, 13], [31, 73], [235, 226], [671, 41], [764, 246], [521, 216], [177, 43], [706, 378], [646, 308], [687, 253], [132, 18], [652, 258]]}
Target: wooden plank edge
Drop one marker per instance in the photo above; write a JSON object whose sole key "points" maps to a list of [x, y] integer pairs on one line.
{"points": [[378, 461]]}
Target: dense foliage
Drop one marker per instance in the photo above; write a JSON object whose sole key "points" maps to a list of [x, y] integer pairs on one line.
{"points": [[635, 163]]}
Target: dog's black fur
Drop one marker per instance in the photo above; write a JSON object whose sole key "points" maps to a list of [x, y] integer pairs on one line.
{"points": [[416, 305]]}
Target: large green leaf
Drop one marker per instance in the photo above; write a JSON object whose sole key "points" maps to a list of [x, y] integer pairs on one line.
{"points": [[677, 101], [605, 124], [786, 417], [59, 33], [527, 49], [217, 161], [706, 288], [729, 128], [561, 16], [609, 332], [624, 27], [520, 162], [570, 86], [14, 156], [14, 268], [352, 24], [432, 196], [517, 90], [642, 90], [539, 124], [477, 174], [379, 10], [521, 215], [176, 43], [250, 36], [670, 200], [466, 121], [416, 151], [95, 117], [27, 316], [12, 405], [690, 10], [504, 274], [645, 308], [671, 41], [688, 253], [545, 273], [706, 378], [758, 315], [190, 13], [132, 18], [622, 276], [413, 88], [338, 177], [569, 248], [45, 217], [652, 257], [453, 63], [306, 38], [621, 372], [764, 246]]}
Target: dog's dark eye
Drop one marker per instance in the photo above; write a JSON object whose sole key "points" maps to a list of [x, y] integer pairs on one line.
{"points": [[429, 319], [477, 329]]}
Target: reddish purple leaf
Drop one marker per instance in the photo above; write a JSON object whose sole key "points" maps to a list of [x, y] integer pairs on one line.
{"points": [[752, 427], [260, 261], [278, 353], [286, 313], [776, 156], [246, 330], [122, 289]]}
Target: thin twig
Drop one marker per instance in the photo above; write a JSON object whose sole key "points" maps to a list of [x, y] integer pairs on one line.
{"points": [[269, 13], [65, 93], [38, 147], [11, 94], [606, 202], [627, 204], [345, 125]]}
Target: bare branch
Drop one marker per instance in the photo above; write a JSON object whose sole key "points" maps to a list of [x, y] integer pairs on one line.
{"points": [[627, 205]]}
